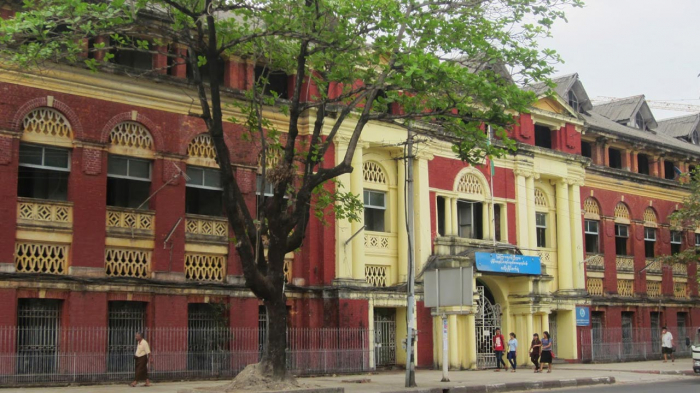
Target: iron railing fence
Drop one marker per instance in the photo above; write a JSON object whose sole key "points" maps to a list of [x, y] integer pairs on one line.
{"points": [[631, 344], [83, 355]]}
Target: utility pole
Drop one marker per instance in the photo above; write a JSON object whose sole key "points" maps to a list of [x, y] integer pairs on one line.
{"points": [[411, 300]]}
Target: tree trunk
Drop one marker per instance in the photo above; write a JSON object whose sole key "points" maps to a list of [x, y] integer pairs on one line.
{"points": [[274, 359]]}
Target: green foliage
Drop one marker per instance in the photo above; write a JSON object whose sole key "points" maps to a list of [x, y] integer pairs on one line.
{"points": [[689, 218], [344, 205]]}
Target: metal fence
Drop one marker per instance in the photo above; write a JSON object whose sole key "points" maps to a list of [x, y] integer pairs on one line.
{"points": [[69, 355], [631, 344]]}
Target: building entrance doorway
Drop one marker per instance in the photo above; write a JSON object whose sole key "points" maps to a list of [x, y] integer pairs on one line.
{"points": [[488, 318], [384, 337]]}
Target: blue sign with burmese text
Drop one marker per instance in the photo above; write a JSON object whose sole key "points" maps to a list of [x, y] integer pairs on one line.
{"points": [[583, 316], [507, 263]]}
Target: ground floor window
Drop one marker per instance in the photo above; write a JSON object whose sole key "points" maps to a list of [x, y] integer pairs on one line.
{"points": [[38, 333], [124, 319], [208, 337]]}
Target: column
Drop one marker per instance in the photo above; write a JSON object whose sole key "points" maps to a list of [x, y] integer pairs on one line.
{"points": [[358, 243], [577, 238], [448, 217], [530, 201], [521, 212], [343, 254], [401, 215], [529, 328], [421, 219], [9, 160], [564, 264], [453, 340], [486, 221], [634, 165], [455, 220]]}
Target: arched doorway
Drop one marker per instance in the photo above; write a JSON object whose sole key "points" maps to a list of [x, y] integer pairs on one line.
{"points": [[488, 318]]}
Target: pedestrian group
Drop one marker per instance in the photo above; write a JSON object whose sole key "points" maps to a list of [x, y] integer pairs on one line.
{"points": [[540, 351]]}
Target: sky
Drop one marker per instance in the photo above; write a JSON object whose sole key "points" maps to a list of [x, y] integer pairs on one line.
{"points": [[622, 48]]}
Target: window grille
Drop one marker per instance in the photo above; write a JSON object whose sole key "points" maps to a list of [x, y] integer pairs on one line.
{"points": [[470, 184], [208, 337], [47, 122], [373, 173], [625, 288], [38, 332], [622, 212], [288, 262], [654, 289], [540, 199], [650, 219], [202, 146], [130, 134], [125, 319], [41, 258], [126, 262], [591, 208], [205, 267], [680, 290], [376, 275]]}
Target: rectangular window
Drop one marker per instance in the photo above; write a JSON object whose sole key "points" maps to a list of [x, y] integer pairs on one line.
{"points": [[277, 81], [586, 150], [697, 240], [269, 187], [204, 194], [375, 210], [649, 242], [38, 336], [469, 219], [621, 237], [43, 172], [497, 222], [614, 158], [441, 216], [643, 164], [592, 237], [669, 170], [128, 181], [541, 229], [138, 60], [543, 137], [676, 242], [205, 74]]}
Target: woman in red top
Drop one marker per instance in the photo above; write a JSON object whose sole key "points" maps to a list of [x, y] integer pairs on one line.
{"points": [[499, 343]]}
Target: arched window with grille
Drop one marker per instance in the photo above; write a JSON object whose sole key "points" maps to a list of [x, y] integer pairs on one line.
{"points": [[129, 165], [204, 193], [622, 229], [44, 160], [591, 210]]}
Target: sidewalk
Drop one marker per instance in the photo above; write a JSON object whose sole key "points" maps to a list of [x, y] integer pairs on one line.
{"points": [[623, 373]]}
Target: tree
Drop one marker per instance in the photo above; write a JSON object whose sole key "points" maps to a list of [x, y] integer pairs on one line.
{"points": [[434, 65], [688, 216]]}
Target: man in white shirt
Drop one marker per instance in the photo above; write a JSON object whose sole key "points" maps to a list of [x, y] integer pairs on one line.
{"points": [[667, 344], [141, 358]]}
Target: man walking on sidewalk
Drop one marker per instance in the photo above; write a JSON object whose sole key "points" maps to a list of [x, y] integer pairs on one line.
{"points": [[499, 343], [141, 358], [667, 344]]}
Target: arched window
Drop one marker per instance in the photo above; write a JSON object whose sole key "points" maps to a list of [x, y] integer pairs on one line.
{"points": [[592, 225], [622, 229], [44, 160], [375, 196], [204, 193], [541, 218], [471, 205], [650, 225], [129, 165]]}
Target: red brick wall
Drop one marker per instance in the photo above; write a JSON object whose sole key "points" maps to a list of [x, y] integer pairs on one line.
{"points": [[9, 148], [424, 324]]}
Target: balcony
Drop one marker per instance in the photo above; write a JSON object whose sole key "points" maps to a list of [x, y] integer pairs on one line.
{"points": [[654, 267], [594, 286], [624, 264], [44, 214], [206, 229], [381, 243], [625, 288], [123, 222], [595, 262], [680, 270]]}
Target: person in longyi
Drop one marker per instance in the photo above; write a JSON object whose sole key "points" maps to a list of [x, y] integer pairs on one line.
{"points": [[141, 359]]}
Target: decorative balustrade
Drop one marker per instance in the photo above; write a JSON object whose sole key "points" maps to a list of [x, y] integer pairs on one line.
{"points": [[205, 267], [41, 258], [377, 275], [654, 289], [624, 264], [595, 262], [680, 269], [206, 226], [376, 241], [680, 290], [44, 212], [594, 286], [625, 288], [127, 262], [130, 220], [654, 267]]}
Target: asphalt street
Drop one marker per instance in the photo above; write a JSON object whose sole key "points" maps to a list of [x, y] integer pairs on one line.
{"points": [[684, 385]]}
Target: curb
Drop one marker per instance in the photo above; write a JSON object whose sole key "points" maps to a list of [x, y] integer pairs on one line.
{"points": [[515, 386], [656, 372], [300, 390]]}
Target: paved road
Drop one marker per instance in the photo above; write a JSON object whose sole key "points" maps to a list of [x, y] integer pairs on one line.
{"points": [[682, 385]]}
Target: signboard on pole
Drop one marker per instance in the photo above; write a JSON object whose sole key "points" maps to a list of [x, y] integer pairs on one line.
{"points": [[449, 287], [583, 316], [507, 263]]}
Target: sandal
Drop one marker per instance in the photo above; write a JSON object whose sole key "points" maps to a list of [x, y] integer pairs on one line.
{"points": [[549, 371]]}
